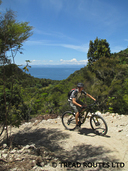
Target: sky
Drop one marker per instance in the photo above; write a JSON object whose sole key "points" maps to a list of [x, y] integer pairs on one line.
{"points": [[62, 29]]}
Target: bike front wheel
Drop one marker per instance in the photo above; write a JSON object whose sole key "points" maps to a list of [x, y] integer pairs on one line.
{"points": [[68, 120], [98, 124]]}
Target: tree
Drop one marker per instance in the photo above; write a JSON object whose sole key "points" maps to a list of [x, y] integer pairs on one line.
{"points": [[97, 49], [12, 35], [110, 84]]}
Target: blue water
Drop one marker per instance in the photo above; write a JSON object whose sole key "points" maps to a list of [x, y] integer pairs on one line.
{"points": [[52, 72]]}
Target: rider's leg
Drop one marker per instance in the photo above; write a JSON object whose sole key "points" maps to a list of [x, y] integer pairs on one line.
{"points": [[74, 107]]}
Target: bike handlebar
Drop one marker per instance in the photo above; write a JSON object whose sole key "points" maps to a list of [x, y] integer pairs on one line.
{"points": [[83, 107]]}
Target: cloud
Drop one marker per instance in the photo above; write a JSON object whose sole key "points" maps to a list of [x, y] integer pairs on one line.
{"points": [[81, 48], [53, 34], [117, 49], [35, 61], [50, 60], [74, 61], [37, 42]]}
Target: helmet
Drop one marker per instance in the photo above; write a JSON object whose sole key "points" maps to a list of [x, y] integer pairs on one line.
{"points": [[80, 85]]}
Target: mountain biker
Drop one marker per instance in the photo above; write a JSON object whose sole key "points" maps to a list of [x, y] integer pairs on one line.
{"points": [[74, 101]]}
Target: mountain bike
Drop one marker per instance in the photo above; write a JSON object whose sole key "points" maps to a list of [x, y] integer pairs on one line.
{"points": [[98, 124]]}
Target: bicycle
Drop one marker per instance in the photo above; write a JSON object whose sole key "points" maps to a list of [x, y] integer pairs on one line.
{"points": [[98, 124]]}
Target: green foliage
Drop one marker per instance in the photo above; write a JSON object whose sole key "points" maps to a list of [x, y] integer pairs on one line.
{"points": [[107, 81], [27, 65], [97, 49], [12, 35]]}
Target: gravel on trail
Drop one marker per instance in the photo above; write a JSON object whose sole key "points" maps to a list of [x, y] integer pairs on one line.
{"points": [[43, 144]]}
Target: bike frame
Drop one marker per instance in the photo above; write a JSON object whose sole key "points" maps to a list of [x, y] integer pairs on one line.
{"points": [[89, 108]]}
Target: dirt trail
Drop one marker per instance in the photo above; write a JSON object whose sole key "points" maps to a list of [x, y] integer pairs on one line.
{"points": [[81, 148]]}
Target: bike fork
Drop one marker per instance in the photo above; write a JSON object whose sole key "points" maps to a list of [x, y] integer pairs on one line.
{"points": [[96, 121]]}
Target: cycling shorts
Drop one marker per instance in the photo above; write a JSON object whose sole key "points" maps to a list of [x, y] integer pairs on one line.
{"points": [[74, 107]]}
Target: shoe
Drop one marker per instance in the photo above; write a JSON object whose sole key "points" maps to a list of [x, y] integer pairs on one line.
{"points": [[79, 123], [77, 127]]}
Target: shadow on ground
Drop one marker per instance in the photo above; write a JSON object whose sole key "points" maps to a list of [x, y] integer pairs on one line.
{"points": [[89, 132], [50, 138]]}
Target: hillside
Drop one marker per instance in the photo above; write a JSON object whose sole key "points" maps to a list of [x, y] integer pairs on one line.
{"points": [[39, 143], [24, 79], [106, 80]]}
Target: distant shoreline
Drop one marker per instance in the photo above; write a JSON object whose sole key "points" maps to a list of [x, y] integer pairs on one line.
{"points": [[54, 66]]}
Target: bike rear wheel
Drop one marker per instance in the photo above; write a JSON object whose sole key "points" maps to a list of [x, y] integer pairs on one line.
{"points": [[98, 124], [68, 120]]}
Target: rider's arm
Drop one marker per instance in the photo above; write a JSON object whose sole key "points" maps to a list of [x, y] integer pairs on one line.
{"points": [[90, 96], [75, 103]]}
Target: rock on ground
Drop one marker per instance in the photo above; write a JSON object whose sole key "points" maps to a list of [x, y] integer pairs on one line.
{"points": [[44, 144]]}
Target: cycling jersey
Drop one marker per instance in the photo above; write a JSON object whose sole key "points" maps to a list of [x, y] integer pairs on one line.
{"points": [[76, 94]]}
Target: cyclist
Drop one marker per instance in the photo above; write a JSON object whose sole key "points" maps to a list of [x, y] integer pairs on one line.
{"points": [[74, 101]]}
